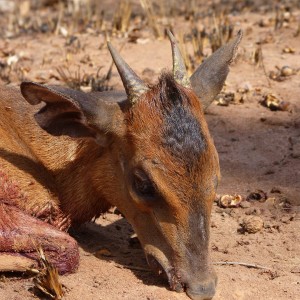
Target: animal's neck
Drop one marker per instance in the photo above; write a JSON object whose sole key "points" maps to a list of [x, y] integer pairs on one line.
{"points": [[76, 170]]}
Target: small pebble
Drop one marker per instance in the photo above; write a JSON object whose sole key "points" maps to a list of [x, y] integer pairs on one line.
{"points": [[271, 201], [285, 220], [295, 269], [245, 204], [253, 211], [286, 71], [252, 224], [267, 225]]}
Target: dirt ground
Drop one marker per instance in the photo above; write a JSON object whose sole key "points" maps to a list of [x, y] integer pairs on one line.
{"points": [[258, 148]]}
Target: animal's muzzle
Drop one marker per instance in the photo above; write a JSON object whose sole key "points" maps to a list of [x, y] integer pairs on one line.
{"points": [[202, 291]]}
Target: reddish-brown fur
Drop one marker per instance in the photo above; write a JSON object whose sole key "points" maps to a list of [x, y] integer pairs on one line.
{"points": [[153, 158], [61, 180], [183, 192], [66, 181]]}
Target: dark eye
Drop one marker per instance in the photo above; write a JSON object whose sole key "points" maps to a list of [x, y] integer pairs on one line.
{"points": [[143, 185]]}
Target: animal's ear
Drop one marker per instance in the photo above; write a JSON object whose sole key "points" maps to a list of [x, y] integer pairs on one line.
{"points": [[69, 112], [207, 81]]}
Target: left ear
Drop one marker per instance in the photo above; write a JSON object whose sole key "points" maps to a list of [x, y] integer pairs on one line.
{"points": [[69, 112], [207, 81]]}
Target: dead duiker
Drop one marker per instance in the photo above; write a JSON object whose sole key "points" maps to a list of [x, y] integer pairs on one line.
{"points": [[70, 156]]}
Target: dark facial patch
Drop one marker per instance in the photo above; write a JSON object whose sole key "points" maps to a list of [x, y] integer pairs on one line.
{"points": [[182, 133]]}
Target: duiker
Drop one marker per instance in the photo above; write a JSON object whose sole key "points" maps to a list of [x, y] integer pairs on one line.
{"points": [[70, 156]]}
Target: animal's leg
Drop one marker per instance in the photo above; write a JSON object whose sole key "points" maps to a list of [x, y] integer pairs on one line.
{"points": [[21, 235]]}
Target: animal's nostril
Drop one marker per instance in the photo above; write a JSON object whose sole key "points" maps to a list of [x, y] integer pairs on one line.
{"points": [[196, 296], [202, 292]]}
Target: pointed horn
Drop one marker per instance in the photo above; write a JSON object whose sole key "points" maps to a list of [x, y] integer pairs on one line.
{"points": [[133, 85], [179, 69], [207, 81]]}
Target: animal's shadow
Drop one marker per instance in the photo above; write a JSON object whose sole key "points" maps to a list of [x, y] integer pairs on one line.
{"points": [[115, 237], [93, 237]]}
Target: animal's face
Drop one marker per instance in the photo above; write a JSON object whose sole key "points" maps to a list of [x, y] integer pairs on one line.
{"points": [[171, 170], [160, 165]]}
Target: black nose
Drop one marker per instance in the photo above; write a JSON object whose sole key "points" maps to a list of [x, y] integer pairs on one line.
{"points": [[201, 294], [203, 291]]}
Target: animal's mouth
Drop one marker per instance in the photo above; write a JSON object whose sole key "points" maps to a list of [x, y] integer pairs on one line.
{"points": [[164, 268]]}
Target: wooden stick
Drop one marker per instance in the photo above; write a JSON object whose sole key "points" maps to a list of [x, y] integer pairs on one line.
{"points": [[263, 66], [233, 263], [132, 268], [229, 263]]}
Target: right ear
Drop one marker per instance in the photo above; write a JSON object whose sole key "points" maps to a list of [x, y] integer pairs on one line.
{"points": [[69, 112]]}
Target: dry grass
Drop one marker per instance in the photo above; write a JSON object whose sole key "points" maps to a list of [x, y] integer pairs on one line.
{"points": [[47, 279], [79, 80], [297, 33], [208, 26], [152, 18], [222, 31], [122, 17]]}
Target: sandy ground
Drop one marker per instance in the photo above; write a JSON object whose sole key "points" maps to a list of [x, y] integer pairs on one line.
{"points": [[258, 149]]}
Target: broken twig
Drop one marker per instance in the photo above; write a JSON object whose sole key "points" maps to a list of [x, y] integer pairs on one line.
{"points": [[234, 263], [135, 268]]}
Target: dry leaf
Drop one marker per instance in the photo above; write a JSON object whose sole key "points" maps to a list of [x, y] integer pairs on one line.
{"points": [[47, 280], [282, 73], [274, 103], [230, 200], [225, 98], [286, 71], [288, 50], [258, 195]]}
